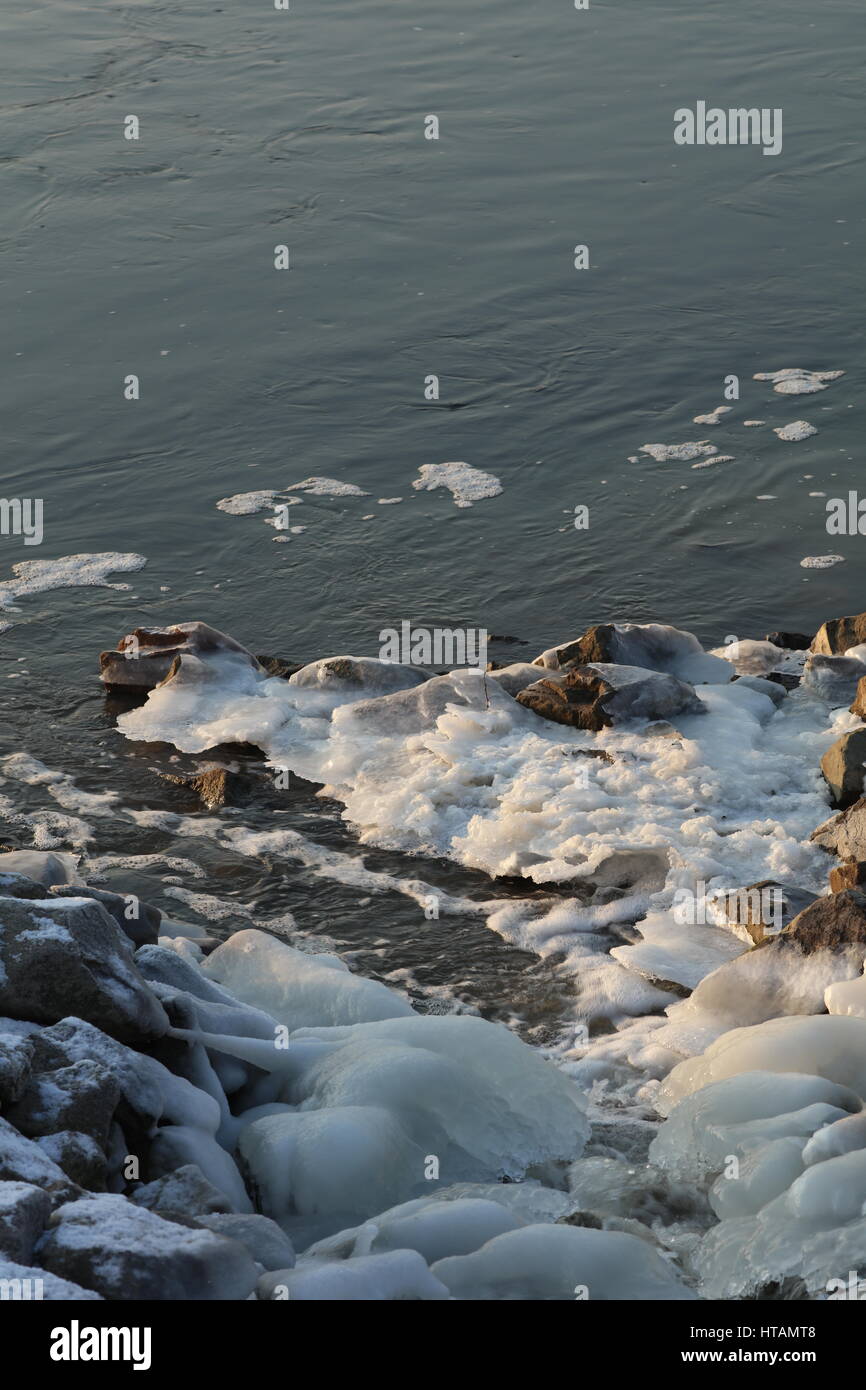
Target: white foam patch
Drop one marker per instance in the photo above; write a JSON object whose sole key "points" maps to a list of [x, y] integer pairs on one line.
{"points": [[820, 562], [69, 572], [798, 429], [798, 381], [679, 453], [327, 487], [247, 503], [714, 417], [467, 485]]}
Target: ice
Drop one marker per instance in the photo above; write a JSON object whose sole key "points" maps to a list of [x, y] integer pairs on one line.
{"points": [[847, 997], [714, 416], [435, 1228], [298, 989], [71, 571], [466, 484], [556, 1262], [400, 1275]]}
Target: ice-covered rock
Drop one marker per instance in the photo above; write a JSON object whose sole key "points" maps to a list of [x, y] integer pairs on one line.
{"points": [[600, 695], [547, 1263], [396, 1276], [42, 866], [22, 1160], [365, 674], [835, 678], [145, 657], [16, 1058], [24, 1213], [269, 1246], [62, 956], [653, 646], [25, 1282], [844, 834], [298, 989], [433, 1227], [137, 920], [126, 1252], [80, 1097]]}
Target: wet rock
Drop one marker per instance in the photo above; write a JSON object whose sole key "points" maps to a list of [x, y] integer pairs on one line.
{"points": [[844, 767], [185, 1193], [276, 666], [216, 787], [24, 1213], [126, 1252], [790, 641], [41, 866], [82, 1097], [268, 1245], [71, 958], [79, 1156], [145, 657], [851, 874], [141, 929], [519, 675], [838, 634], [858, 705], [597, 696], [22, 1160]]}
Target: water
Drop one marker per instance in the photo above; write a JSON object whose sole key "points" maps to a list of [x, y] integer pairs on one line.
{"points": [[411, 257]]}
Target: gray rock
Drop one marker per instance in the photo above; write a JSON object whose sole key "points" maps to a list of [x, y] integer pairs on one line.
{"points": [[22, 1160], [174, 1146], [126, 1252], [79, 1156], [844, 767], [24, 1213], [23, 1283], [70, 957], [762, 909], [41, 866], [20, 886], [359, 673], [16, 1060], [82, 1097], [184, 1193], [141, 930], [266, 1242]]}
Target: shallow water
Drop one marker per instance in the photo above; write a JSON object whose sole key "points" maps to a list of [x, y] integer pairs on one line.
{"points": [[412, 257]]}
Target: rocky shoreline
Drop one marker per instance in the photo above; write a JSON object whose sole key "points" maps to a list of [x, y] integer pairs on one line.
{"points": [[184, 1118]]}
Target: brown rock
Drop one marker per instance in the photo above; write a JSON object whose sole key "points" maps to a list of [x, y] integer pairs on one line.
{"points": [[844, 834], [829, 924], [754, 907], [578, 700], [147, 657], [838, 634], [858, 705], [596, 644], [276, 666], [595, 697], [844, 767], [216, 787], [851, 874]]}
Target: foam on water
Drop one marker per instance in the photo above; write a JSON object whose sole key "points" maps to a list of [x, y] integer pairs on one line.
{"points": [[467, 485], [70, 571]]}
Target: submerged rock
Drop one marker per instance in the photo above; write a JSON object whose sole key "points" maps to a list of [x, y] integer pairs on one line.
{"points": [[597, 696], [40, 866], [144, 658]]}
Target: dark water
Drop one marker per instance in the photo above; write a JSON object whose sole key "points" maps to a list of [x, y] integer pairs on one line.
{"points": [[411, 257]]}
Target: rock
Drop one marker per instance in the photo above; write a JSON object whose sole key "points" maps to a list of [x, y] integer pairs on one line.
{"points": [[176, 1146], [24, 1213], [22, 1160], [858, 705], [786, 679], [788, 973], [851, 874], [276, 666], [185, 1193], [19, 886], [361, 673], [16, 1059], [838, 634], [41, 866], [146, 657], [266, 1242], [834, 678], [142, 929], [652, 646], [597, 696], [79, 1156], [216, 787], [70, 957], [81, 1097], [126, 1252], [790, 641], [763, 909], [844, 767], [844, 834], [26, 1282], [519, 675]]}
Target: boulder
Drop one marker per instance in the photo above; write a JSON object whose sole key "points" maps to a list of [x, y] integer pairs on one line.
{"points": [[844, 767], [22, 1160], [68, 956], [844, 834], [80, 1097], [838, 634], [216, 787], [267, 1243], [146, 657], [763, 909], [790, 641], [653, 646], [19, 886], [79, 1156], [367, 673], [24, 1213], [142, 929], [851, 874], [16, 1059], [597, 696], [184, 1194], [41, 866], [25, 1282], [858, 705], [126, 1252], [277, 666]]}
